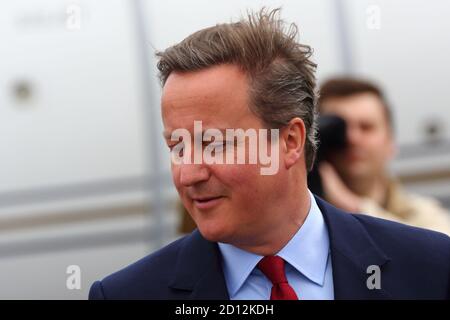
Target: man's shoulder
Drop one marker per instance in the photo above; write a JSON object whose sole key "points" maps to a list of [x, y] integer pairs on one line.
{"points": [[395, 229], [414, 262], [150, 275], [396, 237], [383, 231], [404, 243]]}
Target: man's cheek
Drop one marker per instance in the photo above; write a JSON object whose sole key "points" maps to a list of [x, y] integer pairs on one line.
{"points": [[246, 185], [239, 175], [175, 175]]}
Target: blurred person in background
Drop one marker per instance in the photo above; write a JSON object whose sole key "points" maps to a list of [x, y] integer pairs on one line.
{"points": [[356, 178]]}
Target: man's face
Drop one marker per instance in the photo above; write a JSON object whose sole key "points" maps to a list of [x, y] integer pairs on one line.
{"points": [[228, 202], [370, 144]]}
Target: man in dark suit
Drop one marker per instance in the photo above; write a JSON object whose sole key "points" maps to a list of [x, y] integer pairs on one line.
{"points": [[261, 233], [414, 264]]}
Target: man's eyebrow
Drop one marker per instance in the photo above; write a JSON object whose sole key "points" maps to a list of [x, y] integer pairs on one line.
{"points": [[168, 134]]}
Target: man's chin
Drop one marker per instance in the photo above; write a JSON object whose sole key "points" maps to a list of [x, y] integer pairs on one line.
{"points": [[213, 234]]}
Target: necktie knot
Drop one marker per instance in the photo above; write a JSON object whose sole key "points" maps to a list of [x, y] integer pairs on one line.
{"points": [[273, 268]]}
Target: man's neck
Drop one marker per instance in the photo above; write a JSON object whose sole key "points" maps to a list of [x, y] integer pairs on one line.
{"points": [[278, 236]]}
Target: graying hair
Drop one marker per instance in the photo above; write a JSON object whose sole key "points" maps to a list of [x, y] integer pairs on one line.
{"points": [[281, 74]]}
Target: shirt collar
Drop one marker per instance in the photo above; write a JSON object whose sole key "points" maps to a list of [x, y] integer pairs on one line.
{"points": [[307, 252]]}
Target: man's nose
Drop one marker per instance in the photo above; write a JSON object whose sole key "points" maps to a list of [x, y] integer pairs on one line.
{"points": [[191, 174]]}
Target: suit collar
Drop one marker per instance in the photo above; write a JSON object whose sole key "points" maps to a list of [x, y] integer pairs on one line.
{"points": [[352, 251], [198, 271]]}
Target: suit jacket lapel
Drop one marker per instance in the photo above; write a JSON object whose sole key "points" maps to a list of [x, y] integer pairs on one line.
{"points": [[352, 252], [198, 271]]}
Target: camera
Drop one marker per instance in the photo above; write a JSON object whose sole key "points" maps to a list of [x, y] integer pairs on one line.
{"points": [[332, 138]]}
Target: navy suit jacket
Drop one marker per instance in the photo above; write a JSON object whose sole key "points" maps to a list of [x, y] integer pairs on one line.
{"points": [[414, 264]]}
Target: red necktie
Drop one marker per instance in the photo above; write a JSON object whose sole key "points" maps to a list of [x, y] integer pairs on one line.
{"points": [[273, 269]]}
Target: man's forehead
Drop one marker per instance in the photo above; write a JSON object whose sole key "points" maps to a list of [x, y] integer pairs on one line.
{"points": [[211, 117], [355, 107], [218, 97]]}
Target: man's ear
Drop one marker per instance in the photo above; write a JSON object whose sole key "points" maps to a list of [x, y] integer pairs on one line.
{"points": [[293, 137]]}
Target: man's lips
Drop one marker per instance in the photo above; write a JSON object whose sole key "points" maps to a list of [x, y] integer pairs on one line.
{"points": [[206, 202]]}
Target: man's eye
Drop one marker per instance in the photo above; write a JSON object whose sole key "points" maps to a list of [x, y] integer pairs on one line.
{"points": [[224, 144]]}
